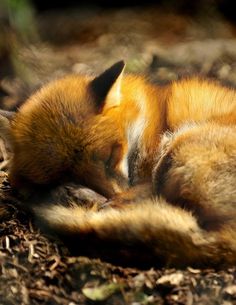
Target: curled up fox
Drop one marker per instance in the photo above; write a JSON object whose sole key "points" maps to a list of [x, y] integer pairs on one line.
{"points": [[163, 156]]}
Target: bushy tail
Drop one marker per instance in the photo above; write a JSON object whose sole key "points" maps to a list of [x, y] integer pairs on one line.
{"points": [[152, 232]]}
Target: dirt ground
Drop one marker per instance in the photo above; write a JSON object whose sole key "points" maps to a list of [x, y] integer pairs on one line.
{"points": [[164, 46]]}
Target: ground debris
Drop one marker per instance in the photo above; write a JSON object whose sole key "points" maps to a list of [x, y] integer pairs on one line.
{"points": [[36, 270], [33, 268]]}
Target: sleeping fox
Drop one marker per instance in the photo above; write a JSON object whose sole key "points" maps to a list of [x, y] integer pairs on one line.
{"points": [[164, 156]]}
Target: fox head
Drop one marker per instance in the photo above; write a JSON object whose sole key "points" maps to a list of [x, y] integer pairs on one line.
{"points": [[70, 129]]}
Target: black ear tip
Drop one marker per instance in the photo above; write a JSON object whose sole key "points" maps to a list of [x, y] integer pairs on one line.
{"points": [[119, 65], [101, 84]]}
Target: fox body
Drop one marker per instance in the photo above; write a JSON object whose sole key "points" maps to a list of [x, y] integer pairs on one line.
{"points": [[135, 142]]}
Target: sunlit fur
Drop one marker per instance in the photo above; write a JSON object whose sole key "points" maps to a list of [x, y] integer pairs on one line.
{"points": [[159, 233], [62, 131]]}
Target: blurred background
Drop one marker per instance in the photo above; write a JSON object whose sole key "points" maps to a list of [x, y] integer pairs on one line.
{"points": [[166, 40]]}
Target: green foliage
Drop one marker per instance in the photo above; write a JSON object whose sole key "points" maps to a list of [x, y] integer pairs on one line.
{"points": [[20, 14]]}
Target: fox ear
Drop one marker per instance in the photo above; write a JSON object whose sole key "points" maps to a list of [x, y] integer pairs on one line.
{"points": [[106, 86]]}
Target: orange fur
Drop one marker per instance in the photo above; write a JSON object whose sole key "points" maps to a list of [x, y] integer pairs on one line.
{"points": [[109, 134]]}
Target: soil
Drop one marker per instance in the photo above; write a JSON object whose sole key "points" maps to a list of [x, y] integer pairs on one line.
{"points": [[36, 269]]}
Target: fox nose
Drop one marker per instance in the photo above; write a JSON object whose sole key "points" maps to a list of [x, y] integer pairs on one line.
{"points": [[116, 184], [118, 187], [111, 187]]}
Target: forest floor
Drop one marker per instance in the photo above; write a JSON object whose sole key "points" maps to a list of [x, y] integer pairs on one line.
{"points": [[165, 46]]}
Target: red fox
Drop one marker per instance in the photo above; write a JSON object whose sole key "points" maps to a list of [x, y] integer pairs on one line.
{"points": [[164, 156]]}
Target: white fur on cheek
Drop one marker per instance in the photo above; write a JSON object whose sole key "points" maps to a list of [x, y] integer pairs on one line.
{"points": [[124, 168], [134, 134]]}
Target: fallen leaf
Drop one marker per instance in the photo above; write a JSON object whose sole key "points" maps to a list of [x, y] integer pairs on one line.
{"points": [[100, 293], [231, 290], [173, 279]]}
